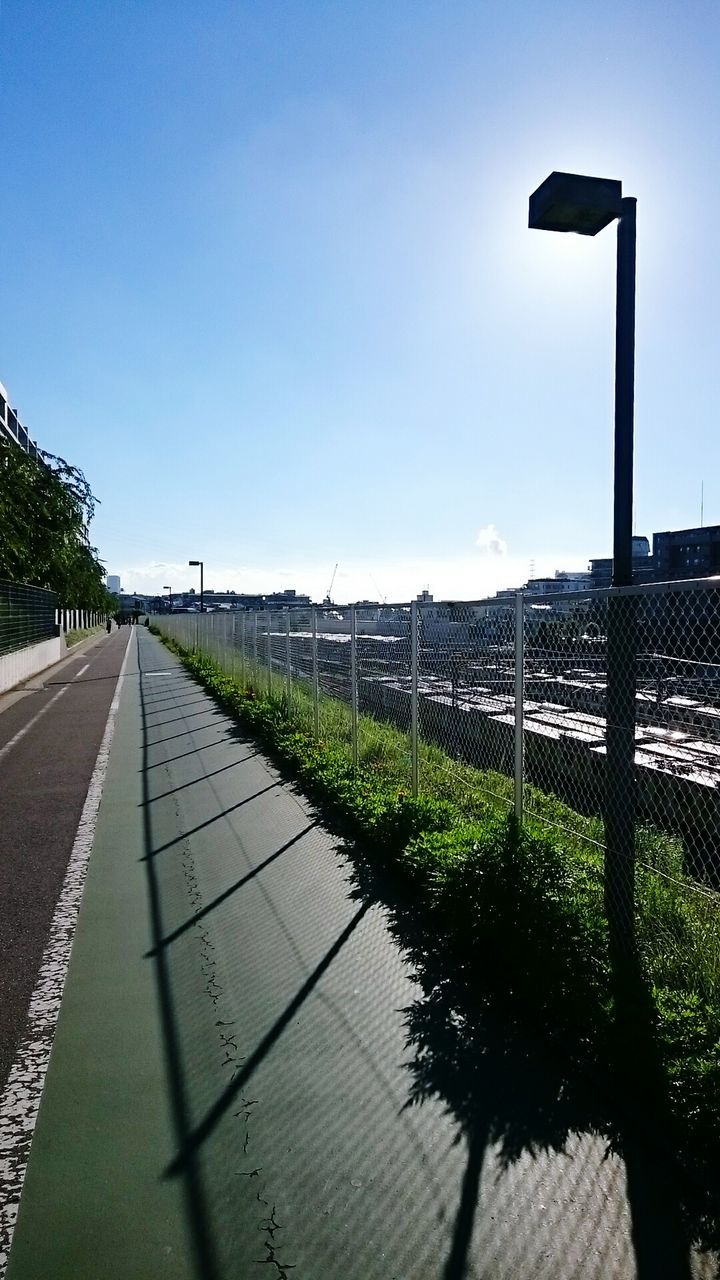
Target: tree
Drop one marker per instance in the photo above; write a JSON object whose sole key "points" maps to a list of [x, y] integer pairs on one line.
{"points": [[46, 506]]}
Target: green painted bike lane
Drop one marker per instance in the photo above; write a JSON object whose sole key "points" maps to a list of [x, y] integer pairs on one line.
{"points": [[229, 1093], [92, 1204]]}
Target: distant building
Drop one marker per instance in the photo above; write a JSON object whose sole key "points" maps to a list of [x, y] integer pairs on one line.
{"points": [[687, 553], [232, 600], [113, 583], [677, 554], [11, 428], [562, 582], [643, 565], [367, 610]]}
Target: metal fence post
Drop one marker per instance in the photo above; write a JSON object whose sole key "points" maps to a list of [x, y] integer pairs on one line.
{"points": [[242, 650], [268, 653], [315, 674], [288, 663], [353, 685], [519, 703], [414, 697], [255, 644], [620, 784]]}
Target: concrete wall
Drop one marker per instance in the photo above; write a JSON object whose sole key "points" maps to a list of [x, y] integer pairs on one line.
{"points": [[19, 666]]}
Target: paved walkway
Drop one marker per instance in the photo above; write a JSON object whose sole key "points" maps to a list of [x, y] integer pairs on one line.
{"points": [[229, 1084], [50, 733]]}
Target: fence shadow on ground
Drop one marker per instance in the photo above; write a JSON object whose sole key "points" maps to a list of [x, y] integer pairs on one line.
{"points": [[513, 1095], [510, 1096], [195, 1191]]}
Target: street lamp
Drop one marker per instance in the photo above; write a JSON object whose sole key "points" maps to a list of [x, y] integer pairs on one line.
{"points": [[169, 591], [573, 202], [202, 585]]}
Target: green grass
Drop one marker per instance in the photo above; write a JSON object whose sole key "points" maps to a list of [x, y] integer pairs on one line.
{"points": [[520, 912], [74, 637]]}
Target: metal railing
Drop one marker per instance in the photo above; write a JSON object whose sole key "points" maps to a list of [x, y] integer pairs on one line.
{"points": [[511, 704], [27, 616]]}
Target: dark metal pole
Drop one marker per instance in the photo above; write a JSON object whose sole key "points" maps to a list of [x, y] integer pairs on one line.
{"points": [[202, 587], [624, 395], [620, 800]]}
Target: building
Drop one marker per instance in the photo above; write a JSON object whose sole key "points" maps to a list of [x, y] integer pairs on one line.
{"points": [[233, 600], [563, 581], [676, 554], [113, 583], [643, 565], [687, 553], [11, 428]]}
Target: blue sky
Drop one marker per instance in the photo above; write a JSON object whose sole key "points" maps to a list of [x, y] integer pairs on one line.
{"points": [[267, 278]]}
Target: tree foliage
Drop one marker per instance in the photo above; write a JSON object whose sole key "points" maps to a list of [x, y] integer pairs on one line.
{"points": [[46, 506]]}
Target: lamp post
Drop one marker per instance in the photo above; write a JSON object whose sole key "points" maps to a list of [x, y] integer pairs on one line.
{"points": [[572, 202], [202, 585], [169, 591]]}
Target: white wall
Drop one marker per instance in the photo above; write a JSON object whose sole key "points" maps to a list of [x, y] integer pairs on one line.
{"points": [[19, 666]]}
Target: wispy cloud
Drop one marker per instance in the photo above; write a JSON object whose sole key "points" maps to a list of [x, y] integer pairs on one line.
{"points": [[490, 542]]}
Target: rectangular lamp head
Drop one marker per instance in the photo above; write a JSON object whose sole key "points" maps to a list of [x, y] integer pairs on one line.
{"points": [[572, 202]]}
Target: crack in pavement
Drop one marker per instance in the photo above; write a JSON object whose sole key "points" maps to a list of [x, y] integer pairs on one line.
{"points": [[232, 1059]]}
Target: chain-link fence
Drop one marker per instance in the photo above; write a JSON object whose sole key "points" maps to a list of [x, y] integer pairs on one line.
{"points": [[593, 715], [27, 616]]}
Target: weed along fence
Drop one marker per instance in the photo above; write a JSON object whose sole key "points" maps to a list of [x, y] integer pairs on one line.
{"points": [[504, 703]]}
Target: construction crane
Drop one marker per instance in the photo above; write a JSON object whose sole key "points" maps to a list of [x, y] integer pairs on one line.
{"points": [[328, 597]]}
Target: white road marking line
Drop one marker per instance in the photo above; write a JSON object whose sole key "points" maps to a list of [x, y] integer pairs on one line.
{"points": [[21, 1097], [31, 723]]}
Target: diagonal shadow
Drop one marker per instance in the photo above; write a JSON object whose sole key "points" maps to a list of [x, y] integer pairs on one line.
{"points": [[160, 742], [177, 700], [172, 690], [160, 724], [194, 781], [173, 678], [524, 1088], [184, 754], [168, 698], [523, 1092], [195, 1139], [204, 911], [205, 1253], [52, 684], [208, 822]]}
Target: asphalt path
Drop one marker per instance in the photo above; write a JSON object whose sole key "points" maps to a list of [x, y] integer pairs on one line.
{"points": [[49, 740], [255, 1074]]}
